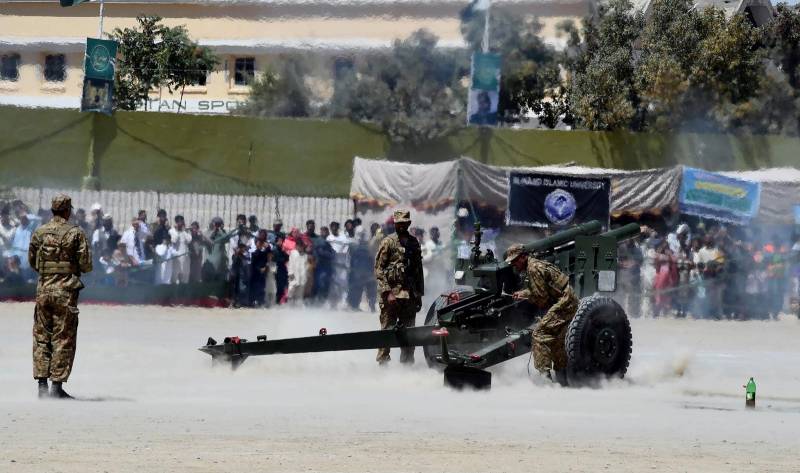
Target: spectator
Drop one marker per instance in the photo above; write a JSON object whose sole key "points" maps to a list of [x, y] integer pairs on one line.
{"points": [[350, 228], [666, 277], [297, 272], [242, 236], [158, 229], [7, 230], [122, 262], [216, 266], [133, 239], [630, 277], [164, 257], [105, 237], [281, 259], [97, 217], [240, 276], [181, 239], [79, 219], [252, 226], [259, 268], [143, 226], [198, 247], [12, 272], [277, 227], [321, 267], [712, 261], [340, 244], [21, 241], [361, 278]]}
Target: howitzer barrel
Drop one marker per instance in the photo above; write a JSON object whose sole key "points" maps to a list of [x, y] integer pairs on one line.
{"points": [[624, 232], [562, 238]]}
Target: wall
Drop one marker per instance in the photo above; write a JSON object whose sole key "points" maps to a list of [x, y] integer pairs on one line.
{"points": [[237, 155]]}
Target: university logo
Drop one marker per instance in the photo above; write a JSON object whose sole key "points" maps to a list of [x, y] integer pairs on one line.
{"points": [[559, 207]]}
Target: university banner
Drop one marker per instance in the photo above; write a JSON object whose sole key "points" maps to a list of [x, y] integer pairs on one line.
{"points": [[711, 195], [98, 80], [548, 200]]}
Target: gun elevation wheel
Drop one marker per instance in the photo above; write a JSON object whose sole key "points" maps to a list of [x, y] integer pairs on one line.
{"points": [[599, 341]]}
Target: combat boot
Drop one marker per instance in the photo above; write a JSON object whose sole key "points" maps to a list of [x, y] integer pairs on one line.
{"points": [[43, 388], [57, 392], [560, 377]]}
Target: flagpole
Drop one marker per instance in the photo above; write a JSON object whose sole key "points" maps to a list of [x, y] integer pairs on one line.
{"points": [[485, 42], [100, 33]]}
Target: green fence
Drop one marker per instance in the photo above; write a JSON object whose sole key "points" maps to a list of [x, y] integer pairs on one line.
{"points": [[238, 155]]}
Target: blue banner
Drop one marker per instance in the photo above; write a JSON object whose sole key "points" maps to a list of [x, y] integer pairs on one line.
{"points": [[711, 195]]}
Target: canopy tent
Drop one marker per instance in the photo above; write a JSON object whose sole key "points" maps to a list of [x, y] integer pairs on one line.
{"points": [[379, 186]]}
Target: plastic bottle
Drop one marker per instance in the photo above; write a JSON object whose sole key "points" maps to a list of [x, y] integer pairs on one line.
{"points": [[750, 394]]}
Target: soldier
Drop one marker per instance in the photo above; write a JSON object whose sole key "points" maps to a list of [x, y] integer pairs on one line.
{"points": [[398, 270], [547, 288], [60, 253]]}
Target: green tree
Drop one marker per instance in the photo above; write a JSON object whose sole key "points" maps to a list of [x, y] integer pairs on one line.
{"points": [[154, 56], [602, 89], [414, 92], [530, 73], [281, 91]]}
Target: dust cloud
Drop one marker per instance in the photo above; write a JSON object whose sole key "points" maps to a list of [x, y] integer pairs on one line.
{"points": [[680, 407]]}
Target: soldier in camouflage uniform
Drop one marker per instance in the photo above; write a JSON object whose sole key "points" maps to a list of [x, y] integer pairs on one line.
{"points": [[547, 288], [60, 253], [398, 270]]}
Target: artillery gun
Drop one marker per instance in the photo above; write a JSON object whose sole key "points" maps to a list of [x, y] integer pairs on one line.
{"points": [[478, 324]]}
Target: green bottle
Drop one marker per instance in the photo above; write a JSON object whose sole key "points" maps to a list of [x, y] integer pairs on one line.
{"points": [[750, 394]]}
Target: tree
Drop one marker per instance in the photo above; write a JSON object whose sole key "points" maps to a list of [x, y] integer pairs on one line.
{"points": [[530, 72], [281, 91], [154, 56], [602, 89], [414, 92]]}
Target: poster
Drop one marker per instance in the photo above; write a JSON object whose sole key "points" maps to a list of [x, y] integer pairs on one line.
{"points": [[548, 200], [98, 79], [711, 195], [484, 89]]}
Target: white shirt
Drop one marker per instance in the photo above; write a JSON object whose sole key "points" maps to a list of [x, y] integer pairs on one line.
{"points": [[297, 268], [180, 241], [129, 238], [164, 268]]}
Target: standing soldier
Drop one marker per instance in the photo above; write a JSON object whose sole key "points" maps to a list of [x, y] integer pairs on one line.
{"points": [[60, 253], [398, 270], [547, 288]]}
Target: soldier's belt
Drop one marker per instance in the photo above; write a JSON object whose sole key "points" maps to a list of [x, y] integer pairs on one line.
{"points": [[57, 267]]}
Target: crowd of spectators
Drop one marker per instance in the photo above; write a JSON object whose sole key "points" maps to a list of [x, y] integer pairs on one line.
{"points": [[261, 266], [708, 270]]}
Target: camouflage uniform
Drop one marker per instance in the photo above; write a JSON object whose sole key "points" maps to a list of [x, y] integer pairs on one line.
{"points": [[60, 253], [398, 270], [548, 287]]}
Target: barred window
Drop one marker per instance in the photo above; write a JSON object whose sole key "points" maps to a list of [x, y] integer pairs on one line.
{"points": [[9, 66], [55, 68], [244, 71]]}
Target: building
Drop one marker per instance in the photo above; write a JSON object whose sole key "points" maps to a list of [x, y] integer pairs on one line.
{"points": [[42, 44]]}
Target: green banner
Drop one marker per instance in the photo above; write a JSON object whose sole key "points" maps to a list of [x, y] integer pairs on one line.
{"points": [[101, 58], [486, 71]]}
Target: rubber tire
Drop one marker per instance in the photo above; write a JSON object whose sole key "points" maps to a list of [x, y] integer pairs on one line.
{"points": [[430, 352], [459, 378], [597, 316]]}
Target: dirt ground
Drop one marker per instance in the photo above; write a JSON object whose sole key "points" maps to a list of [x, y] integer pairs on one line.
{"points": [[155, 403]]}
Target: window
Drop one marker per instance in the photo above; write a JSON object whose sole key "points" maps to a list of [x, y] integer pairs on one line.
{"points": [[244, 70], [55, 68], [9, 66]]}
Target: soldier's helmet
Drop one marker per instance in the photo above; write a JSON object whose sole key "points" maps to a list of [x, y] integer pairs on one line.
{"points": [[61, 202], [513, 251], [401, 216]]}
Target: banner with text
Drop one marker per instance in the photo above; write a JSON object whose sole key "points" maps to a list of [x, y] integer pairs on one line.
{"points": [[548, 200], [98, 78], [710, 195]]}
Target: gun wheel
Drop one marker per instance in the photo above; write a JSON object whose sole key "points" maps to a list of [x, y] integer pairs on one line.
{"points": [[599, 341]]}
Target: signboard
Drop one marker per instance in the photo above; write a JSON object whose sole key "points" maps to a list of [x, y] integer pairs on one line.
{"points": [[98, 78], [711, 195], [548, 200], [484, 90]]}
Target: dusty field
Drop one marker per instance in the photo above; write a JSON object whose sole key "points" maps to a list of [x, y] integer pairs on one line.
{"points": [[680, 409]]}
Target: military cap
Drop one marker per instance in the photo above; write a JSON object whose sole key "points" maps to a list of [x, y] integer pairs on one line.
{"points": [[61, 202], [402, 216], [513, 251]]}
